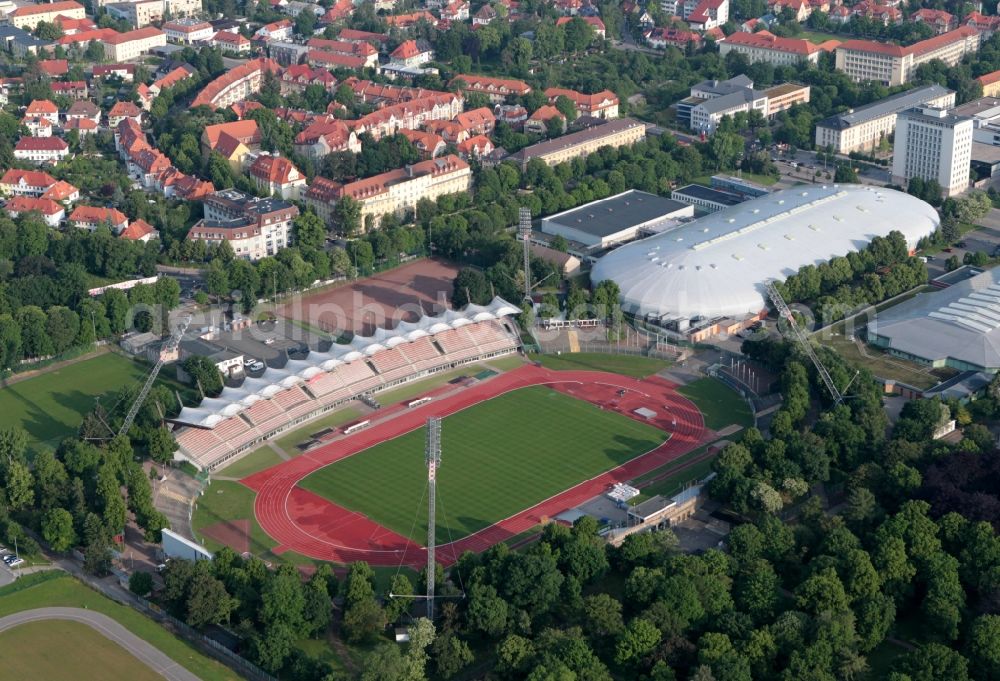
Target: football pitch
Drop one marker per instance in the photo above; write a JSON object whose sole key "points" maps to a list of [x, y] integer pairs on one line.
{"points": [[498, 457]]}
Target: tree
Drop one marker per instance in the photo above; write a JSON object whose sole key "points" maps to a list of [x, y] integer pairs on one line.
{"points": [[347, 215], [310, 231], [385, 663], [487, 611], [932, 662], [57, 528], [470, 286], [19, 485], [983, 647], [140, 583], [208, 601], [204, 373], [451, 655], [639, 639]]}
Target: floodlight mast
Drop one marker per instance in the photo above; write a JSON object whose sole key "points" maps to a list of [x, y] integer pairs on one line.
{"points": [[433, 457], [168, 349], [524, 231], [800, 338]]}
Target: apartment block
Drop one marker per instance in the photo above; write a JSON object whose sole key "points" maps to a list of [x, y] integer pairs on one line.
{"points": [[863, 128], [866, 60], [393, 192], [616, 133], [125, 46], [254, 227], [29, 16], [764, 46], [933, 144]]}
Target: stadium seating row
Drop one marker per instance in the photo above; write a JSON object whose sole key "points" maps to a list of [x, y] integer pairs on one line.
{"points": [[209, 448]]}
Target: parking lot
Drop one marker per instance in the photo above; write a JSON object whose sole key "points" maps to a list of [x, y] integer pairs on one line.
{"points": [[985, 239]]}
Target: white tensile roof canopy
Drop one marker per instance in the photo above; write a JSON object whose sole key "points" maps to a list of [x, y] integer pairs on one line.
{"points": [[231, 401]]}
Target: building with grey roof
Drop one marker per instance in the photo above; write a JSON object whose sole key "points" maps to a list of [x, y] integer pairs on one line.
{"points": [[616, 219], [958, 327], [618, 132], [933, 145], [711, 100], [863, 128], [19, 42], [706, 198]]}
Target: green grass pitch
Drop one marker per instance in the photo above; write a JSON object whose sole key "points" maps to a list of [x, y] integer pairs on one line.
{"points": [[51, 406], [499, 457]]}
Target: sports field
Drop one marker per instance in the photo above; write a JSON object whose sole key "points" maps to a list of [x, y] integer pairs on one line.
{"points": [[27, 652], [500, 457], [51, 406]]}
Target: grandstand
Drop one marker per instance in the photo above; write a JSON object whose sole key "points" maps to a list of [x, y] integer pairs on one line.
{"points": [[224, 427]]}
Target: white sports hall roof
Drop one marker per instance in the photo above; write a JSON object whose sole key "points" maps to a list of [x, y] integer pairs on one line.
{"points": [[716, 266], [232, 401], [958, 326]]}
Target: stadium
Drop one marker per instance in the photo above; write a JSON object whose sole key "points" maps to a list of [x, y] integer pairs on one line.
{"points": [[522, 443], [695, 277]]}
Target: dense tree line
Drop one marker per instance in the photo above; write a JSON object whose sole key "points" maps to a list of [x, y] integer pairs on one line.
{"points": [[881, 270]]}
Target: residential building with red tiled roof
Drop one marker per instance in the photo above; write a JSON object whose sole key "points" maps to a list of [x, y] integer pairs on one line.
{"points": [[538, 122], [938, 19], [82, 39], [497, 89], [92, 217], [990, 83], [382, 94], [408, 115], [298, 77], [133, 44], [62, 192], [187, 31], [475, 147], [457, 10], [243, 109], [50, 211], [37, 126], [986, 25], [866, 60], [41, 149], [394, 192], [479, 121], [230, 41], [277, 176], [72, 26], [83, 126], [352, 35], [600, 32], [710, 14], [54, 68], [661, 38], [254, 227], [29, 16], [43, 108], [276, 30], [341, 9], [124, 71], [411, 19], [333, 60], [603, 104], [325, 137], [428, 144], [74, 89], [484, 16], [412, 53], [122, 110], [236, 84], [764, 46], [171, 78], [139, 230], [245, 131], [17, 182]]}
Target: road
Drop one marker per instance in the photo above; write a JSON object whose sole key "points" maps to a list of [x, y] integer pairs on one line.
{"points": [[110, 629]]}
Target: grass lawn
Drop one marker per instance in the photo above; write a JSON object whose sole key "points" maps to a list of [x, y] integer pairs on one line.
{"points": [[720, 404], [51, 406], [257, 460], [289, 442], [27, 653], [626, 365], [499, 457], [66, 591], [225, 501], [821, 37]]}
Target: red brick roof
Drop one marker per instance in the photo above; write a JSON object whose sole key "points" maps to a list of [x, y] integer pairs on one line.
{"points": [[546, 112], [273, 169], [137, 34], [407, 50], [86, 36], [29, 10], [989, 78], [769, 41], [41, 106], [60, 191], [41, 144], [245, 131], [137, 230], [486, 83], [95, 215], [335, 59], [351, 34], [922, 47], [124, 109], [32, 178], [24, 204], [54, 67], [213, 89]]}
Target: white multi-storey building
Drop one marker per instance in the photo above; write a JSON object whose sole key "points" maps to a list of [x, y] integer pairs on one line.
{"points": [[764, 46], [866, 60], [933, 144], [255, 228]]}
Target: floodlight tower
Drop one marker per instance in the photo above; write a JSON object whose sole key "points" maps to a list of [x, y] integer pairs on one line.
{"points": [[524, 231], [433, 456]]}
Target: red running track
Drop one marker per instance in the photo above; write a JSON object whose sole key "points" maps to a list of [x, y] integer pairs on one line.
{"points": [[303, 522]]}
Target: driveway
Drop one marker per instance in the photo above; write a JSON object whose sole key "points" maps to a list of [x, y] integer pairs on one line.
{"points": [[110, 629]]}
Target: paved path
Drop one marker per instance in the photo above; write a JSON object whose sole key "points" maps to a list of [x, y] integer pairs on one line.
{"points": [[109, 628]]}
